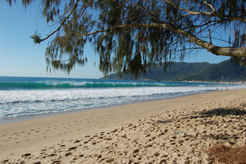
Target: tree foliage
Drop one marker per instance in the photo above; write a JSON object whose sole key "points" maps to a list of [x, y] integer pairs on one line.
{"points": [[131, 35]]}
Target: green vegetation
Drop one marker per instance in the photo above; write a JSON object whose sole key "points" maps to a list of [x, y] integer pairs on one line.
{"points": [[131, 35], [176, 71], [229, 71], [192, 71]]}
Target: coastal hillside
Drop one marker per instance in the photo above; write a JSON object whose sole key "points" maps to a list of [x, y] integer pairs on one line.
{"points": [[177, 71], [181, 71], [226, 71]]}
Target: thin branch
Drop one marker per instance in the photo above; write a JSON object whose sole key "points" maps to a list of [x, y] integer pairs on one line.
{"points": [[189, 11], [193, 48], [75, 5], [209, 36], [214, 13], [149, 13], [105, 36], [208, 4]]}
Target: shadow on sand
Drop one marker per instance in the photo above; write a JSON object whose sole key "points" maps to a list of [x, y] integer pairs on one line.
{"points": [[234, 113], [220, 152]]}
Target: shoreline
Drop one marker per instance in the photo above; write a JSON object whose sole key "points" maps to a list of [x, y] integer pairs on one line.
{"points": [[168, 130], [26, 118]]}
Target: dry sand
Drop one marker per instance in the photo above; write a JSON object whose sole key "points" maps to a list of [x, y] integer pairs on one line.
{"points": [[179, 130]]}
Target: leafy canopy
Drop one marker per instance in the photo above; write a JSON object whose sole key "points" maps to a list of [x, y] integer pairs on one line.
{"points": [[131, 35]]}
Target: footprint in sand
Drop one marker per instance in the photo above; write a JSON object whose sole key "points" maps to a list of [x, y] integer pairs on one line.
{"points": [[26, 155], [76, 141]]}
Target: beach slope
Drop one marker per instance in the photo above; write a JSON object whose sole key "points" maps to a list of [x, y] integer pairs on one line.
{"points": [[179, 130]]}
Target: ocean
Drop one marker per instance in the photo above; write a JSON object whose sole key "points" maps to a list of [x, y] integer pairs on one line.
{"points": [[25, 97]]}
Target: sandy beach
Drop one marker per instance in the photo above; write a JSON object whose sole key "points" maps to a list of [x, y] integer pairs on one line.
{"points": [[179, 130]]}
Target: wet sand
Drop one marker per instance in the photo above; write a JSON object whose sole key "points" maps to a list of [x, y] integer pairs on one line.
{"points": [[179, 130]]}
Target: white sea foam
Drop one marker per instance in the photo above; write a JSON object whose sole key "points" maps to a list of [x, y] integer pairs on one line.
{"points": [[17, 103]]}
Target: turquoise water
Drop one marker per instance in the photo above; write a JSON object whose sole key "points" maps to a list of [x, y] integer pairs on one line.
{"points": [[32, 96], [34, 83]]}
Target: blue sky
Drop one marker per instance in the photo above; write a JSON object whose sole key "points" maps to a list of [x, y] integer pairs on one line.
{"points": [[19, 56]]}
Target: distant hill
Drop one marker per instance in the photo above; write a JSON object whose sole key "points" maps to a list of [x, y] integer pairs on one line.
{"points": [[229, 71], [181, 71], [175, 72]]}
